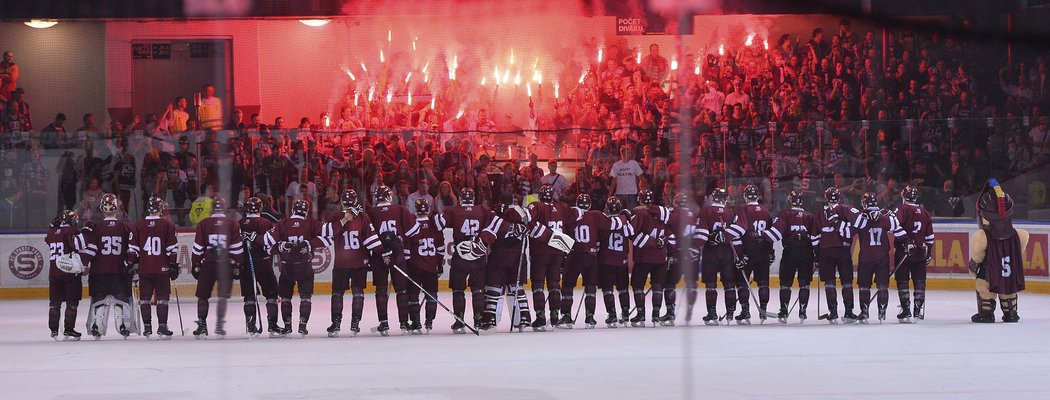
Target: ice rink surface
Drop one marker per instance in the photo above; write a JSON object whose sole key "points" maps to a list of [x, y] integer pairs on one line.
{"points": [[943, 357]]}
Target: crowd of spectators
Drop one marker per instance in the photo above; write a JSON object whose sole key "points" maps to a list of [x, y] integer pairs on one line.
{"points": [[802, 114]]}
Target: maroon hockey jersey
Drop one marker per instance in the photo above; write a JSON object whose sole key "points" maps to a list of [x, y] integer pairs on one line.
{"points": [[680, 225], [153, 245], [794, 226], [613, 241], [585, 226], [874, 236], [218, 237], [713, 219], [828, 234], [755, 219], [107, 245], [259, 226], [469, 221], [650, 226], [917, 223], [426, 249], [293, 229], [61, 241], [392, 218], [352, 240]]}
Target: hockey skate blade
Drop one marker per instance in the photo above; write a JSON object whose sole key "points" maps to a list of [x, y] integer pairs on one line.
{"points": [[905, 321], [381, 333], [486, 332], [743, 322]]}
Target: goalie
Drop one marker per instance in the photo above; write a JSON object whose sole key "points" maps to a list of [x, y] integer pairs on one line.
{"points": [[996, 255], [109, 280]]}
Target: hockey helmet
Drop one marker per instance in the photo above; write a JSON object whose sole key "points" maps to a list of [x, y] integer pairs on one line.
{"points": [[505, 201], [382, 194], [832, 195], [547, 193], [218, 205], [466, 196], [301, 207], [719, 196], [253, 205], [422, 206], [613, 205], [109, 204], [795, 198], [155, 206], [645, 197], [583, 201], [67, 217], [910, 194], [869, 201], [751, 193], [349, 199]]}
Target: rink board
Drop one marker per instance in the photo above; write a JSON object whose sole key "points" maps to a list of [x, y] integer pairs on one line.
{"points": [[25, 258]]}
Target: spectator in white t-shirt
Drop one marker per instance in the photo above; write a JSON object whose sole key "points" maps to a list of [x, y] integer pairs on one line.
{"points": [[625, 173], [1039, 137], [555, 179]]}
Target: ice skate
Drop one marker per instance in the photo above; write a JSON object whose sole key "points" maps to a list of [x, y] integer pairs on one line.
{"points": [[220, 329], [863, 317], [383, 329], [201, 332], [428, 325], [54, 335], [639, 319], [459, 328], [487, 326], [355, 327], [589, 322], [287, 330], [124, 331], [612, 321], [849, 318], [919, 311], [905, 315], [745, 316], [832, 317], [70, 335], [406, 328], [782, 316], [565, 322], [762, 314], [882, 313], [540, 323], [668, 318], [555, 318], [333, 330], [711, 318], [302, 330], [415, 328], [625, 316], [253, 329], [94, 332], [163, 333], [802, 314], [274, 330]]}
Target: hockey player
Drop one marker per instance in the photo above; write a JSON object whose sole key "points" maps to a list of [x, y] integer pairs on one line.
{"points": [[258, 269], [547, 250], [834, 236], [392, 222], [681, 226], [217, 258], [874, 228], [469, 224], [794, 228], [649, 223], [996, 255], [913, 253], [506, 264], [424, 254], [612, 262], [64, 240], [353, 237], [294, 238], [583, 260], [714, 237], [107, 250], [755, 220], [153, 253]]}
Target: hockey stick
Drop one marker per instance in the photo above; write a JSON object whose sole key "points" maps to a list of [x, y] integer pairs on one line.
{"points": [[436, 300], [742, 274], [178, 306], [522, 259], [255, 285]]}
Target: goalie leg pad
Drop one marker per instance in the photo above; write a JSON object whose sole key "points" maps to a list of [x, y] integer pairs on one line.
{"points": [[99, 316]]}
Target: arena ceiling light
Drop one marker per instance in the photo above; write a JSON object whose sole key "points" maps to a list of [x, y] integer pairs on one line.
{"points": [[41, 23], [314, 22]]}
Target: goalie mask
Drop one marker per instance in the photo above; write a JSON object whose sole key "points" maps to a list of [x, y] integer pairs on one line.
{"points": [[301, 207], [613, 205], [751, 194], [645, 197], [547, 193], [218, 205], [382, 194], [253, 205], [422, 207], [109, 205], [583, 202], [995, 211], [832, 195], [910, 194], [795, 198], [155, 206], [466, 196], [719, 196], [349, 200]]}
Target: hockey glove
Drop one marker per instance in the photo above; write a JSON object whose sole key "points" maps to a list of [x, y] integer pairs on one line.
{"points": [[196, 271], [742, 262], [441, 269], [284, 247], [305, 248], [671, 261], [695, 253], [772, 257], [174, 270], [388, 257], [661, 242], [929, 256], [831, 216], [236, 269], [248, 235]]}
